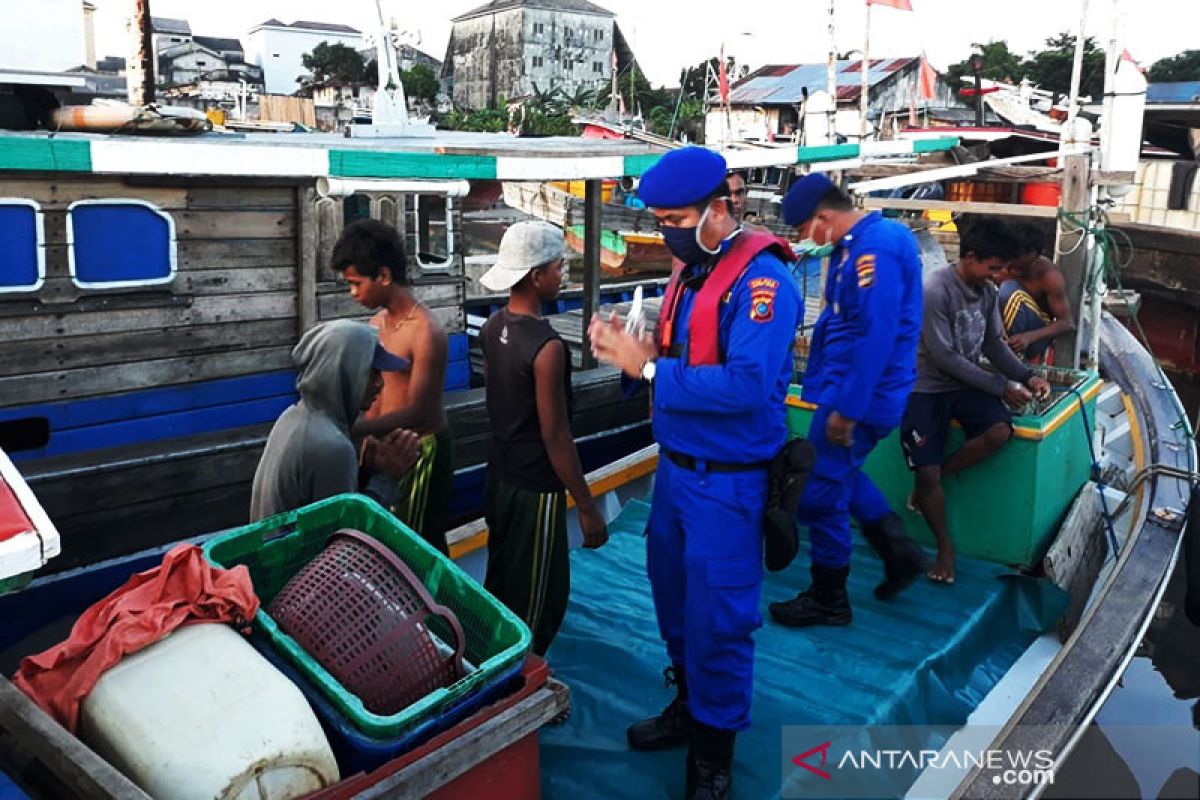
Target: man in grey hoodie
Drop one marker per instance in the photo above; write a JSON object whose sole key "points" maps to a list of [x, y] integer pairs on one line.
{"points": [[309, 455], [961, 325]]}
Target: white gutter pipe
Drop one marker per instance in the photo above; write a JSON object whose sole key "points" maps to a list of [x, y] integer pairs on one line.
{"points": [[344, 187]]}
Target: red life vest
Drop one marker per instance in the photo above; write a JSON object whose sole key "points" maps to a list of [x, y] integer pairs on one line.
{"points": [[704, 339]]}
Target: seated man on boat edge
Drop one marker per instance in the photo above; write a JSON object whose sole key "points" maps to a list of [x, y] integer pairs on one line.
{"points": [[719, 373], [860, 371], [370, 256], [533, 462], [309, 455], [962, 325], [1033, 299]]}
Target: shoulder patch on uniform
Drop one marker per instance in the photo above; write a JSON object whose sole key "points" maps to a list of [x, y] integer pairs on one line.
{"points": [[865, 267], [762, 299]]}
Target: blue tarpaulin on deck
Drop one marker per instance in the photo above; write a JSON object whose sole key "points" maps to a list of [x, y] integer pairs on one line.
{"points": [[927, 657]]}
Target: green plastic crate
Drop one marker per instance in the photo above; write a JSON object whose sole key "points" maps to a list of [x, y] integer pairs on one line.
{"points": [[275, 548], [1008, 508]]}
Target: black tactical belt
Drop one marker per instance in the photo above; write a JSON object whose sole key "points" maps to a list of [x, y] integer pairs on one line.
{"points": [[692, 463]]}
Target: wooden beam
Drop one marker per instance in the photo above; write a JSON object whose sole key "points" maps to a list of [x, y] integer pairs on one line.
{"points": [[306, 246], [86, 775], [591, 265], [1072, 250], [1001, 174], [967, 207]]}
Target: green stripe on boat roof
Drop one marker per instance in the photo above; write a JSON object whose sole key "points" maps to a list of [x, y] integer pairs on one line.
{"points": [[479, 157], [45, 154]]}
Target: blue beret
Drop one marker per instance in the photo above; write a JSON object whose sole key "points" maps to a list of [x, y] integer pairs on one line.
{"points": [[682, 178], [802, 199]]}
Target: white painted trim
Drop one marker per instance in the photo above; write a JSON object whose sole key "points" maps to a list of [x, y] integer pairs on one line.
{"points": [[39, 225], [28, 551], [519, 168], [435, 267], [200, 158], [120, 201], [765, 157]]}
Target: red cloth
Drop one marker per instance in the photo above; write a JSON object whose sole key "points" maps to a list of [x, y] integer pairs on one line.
{"points": [[184, 589]]}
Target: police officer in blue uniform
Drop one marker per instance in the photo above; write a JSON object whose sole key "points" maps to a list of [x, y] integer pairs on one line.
{"points": [[719, 372], [861, 368]]}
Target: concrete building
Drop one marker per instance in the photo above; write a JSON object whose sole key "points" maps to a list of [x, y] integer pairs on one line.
{"points": [[279, 49], [511, 48], [205, 58], [767, 104], [44, 36]]}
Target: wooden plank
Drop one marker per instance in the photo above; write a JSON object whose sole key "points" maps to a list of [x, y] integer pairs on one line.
{"points": [[32, 321], [245, 254], [56, 194], [86, 775], [1073, 261], [307, 245], [75, 383], [338, 304], [1077, 554], [234, 224], [235, 197], [454, 758], [238, 280], [1016, 173], [131, 347]]}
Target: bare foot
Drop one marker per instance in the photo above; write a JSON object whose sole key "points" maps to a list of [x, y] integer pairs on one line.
{"points": [[943, 569]]}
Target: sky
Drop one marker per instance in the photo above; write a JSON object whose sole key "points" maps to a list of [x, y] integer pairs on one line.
{"points": [[667, 35]]}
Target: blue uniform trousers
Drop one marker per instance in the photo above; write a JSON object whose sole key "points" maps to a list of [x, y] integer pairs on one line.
{"points": [[704, 558], [837, 489]]}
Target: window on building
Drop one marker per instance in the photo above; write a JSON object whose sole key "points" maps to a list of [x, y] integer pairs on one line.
{"points": [[117, 243], [435, 232], [538, 61], [539, 27], [22, 240], [597, 66], [599, 35], [567, 32]]}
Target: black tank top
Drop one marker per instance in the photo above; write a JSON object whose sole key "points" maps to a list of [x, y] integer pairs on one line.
{"points": [[510, 343]]}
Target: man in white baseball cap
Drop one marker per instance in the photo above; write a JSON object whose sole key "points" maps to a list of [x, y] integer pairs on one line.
{"points": [[533, 463], [526, 247]]}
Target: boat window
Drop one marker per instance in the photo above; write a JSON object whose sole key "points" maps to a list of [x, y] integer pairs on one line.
{"points": [[119, 243], [22, 246], [435, 232], [24, 433]]}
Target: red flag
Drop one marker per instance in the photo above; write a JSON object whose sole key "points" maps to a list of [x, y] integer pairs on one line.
{"points": [[927, 82], [1127, 56], [723, 78], [903, 5]]}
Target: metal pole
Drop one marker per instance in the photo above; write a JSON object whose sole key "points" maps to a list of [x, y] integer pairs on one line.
{"points": [[1071, 249], [831, 74], [1077, 66], [977, 64], [866, 83], [679, 102], [141, 81], [591, 264]]}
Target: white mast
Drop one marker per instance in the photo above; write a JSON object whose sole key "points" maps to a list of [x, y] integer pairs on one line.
{"points": [[389, 115]]}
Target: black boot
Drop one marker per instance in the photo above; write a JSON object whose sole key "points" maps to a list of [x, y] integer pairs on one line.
{"points": [[902, 559], [671, 728], [710, 763], [825, 602]]}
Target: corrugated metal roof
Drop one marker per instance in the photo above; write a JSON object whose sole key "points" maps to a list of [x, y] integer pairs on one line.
{"points": [[785, 84], [1178, 92]]}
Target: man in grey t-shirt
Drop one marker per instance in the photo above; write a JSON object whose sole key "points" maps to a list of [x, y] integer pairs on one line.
{"points": [[961, 324]]}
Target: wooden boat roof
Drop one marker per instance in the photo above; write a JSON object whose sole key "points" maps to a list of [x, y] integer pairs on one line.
{"points": [[448, 155]]}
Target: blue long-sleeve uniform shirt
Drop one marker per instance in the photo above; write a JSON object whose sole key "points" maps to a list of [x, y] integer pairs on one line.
{"points": [[864, 348], [733, 412]]}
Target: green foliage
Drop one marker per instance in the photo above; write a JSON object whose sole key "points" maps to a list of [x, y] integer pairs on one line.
{"points": [[1050, 69], [485, 120], [999, 64], [420, 83], [335, 62], [1183, 66]]}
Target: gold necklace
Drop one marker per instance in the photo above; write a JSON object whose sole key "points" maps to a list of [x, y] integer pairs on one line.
{"points": [[407, 318]]}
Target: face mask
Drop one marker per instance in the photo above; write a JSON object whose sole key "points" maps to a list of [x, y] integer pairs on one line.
{"points": [[685, 244], [810, 249]]}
